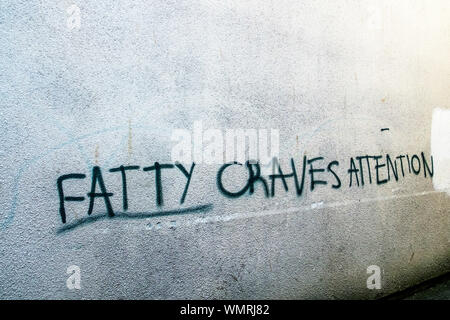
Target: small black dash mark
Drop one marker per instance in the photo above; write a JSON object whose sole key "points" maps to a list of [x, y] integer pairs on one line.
{"points": [[384, 129]]}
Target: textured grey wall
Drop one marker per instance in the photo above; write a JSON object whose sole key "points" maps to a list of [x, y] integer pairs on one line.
{"points": [[329, 75]]}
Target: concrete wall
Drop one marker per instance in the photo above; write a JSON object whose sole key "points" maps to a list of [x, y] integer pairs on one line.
{"points": [[112, 90]]}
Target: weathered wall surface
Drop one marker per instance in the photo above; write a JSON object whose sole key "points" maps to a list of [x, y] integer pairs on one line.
{"points": [[111, 91]]}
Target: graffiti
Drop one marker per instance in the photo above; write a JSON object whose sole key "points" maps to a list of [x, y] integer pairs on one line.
{"points": [[372, 168], [309, 172], [254, 175], [134, 215], [414, 165], [97, 178]]}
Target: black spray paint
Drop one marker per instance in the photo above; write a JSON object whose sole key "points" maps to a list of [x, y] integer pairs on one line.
{"points": [[316, 171]]}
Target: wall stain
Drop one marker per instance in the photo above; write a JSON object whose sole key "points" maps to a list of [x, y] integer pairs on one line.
{"points": [[96, 154], [130, 140]]}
